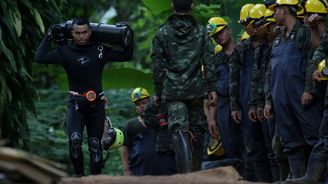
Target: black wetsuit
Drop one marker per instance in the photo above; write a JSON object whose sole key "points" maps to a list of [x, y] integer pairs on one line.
{"points": [[83, 66]]}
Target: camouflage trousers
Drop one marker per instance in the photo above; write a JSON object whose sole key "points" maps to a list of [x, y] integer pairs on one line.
{"points": [[187, 115]]}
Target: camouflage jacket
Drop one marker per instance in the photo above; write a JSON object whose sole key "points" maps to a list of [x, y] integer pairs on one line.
{"points": [[262, 55], [320, 53], [179, 49], [241, 50]]}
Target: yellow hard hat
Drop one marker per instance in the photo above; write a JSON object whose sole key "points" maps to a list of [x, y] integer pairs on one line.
{"points": [[215, 147], [244, 36], [139, 94], [244, 12], [256, 16], [113, 138], [269, 16], [215, 25], [119, 139], [301, 13], [323, 69], [257, 12], [285, 2], [316, 6], [217, 49]]}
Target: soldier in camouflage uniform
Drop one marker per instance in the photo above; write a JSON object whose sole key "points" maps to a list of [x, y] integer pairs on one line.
{"points": [[298, 112], [241, 66], [180, 47], [230, 133], [316, 11]]}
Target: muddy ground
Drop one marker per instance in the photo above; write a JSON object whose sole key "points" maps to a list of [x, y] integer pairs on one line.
{"points": [[221, 175]]}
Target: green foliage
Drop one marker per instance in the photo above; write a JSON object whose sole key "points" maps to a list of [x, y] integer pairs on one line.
{"points": [[48, 127], [21, 28], [144, 24], [157, 7], [203, 12], [85, 8]]}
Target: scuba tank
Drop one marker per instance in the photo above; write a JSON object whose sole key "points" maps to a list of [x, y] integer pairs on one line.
{"points": [[118, 34]]}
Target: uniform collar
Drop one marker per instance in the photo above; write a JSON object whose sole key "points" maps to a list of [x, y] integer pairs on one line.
{"points": [[295, 28]]}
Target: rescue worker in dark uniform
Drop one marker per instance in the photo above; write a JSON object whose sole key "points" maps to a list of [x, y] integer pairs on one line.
{"points": [[241, 67], [260, 95], [180, 48], [230, 133], [138, 151], [297, 110], [316, 11], [83, 61], [262, 20]]}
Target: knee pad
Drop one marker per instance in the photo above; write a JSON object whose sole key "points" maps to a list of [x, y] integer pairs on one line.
{"points": [[95, 149], [75, 144]]}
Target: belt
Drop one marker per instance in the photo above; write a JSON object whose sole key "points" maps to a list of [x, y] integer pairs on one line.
{"points": [[89, 95]]}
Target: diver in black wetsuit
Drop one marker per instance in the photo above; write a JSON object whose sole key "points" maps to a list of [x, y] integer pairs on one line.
{"points": [[83, 62]]}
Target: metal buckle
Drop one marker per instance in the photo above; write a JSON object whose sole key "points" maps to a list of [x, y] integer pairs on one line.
{"points": [[90, 95]]}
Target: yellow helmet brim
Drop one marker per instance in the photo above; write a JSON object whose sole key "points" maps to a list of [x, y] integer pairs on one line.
{"points": [[322, 67], [215, 147]]}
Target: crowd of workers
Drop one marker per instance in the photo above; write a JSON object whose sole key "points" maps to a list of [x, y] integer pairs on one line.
{"points": [[270, 90], [263, 97]]}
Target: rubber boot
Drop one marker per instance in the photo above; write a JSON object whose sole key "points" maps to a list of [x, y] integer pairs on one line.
{"points": [[182, 151], [283, 169], [297, 163], [281, 158], [262, 171], [248, 172], [197, 146], [275, 171], [315, 171]]}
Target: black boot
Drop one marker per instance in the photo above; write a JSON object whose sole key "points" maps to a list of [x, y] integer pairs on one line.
{"points": [[281, 158], [315, 171], [274, 167], [297, 163], [182, 151], [283, 169], [197, 147]]}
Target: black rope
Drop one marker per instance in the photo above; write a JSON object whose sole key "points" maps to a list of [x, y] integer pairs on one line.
{"points": [[105, 160]]}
